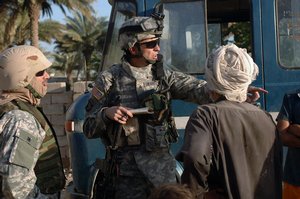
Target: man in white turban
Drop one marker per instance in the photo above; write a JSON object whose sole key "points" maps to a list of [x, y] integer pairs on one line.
{"points": [[231, 148], [229, 72]]}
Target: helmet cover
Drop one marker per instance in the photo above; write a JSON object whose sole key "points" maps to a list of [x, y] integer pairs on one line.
{"points": [[138, 29], [19, 64]]}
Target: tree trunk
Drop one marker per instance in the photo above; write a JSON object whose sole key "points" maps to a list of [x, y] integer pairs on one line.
{"points": [[34, 14], [69, 75], [87, 55]]}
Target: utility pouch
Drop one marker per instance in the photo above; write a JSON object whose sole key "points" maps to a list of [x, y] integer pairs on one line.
{"points": [[25, 148], [172, 133], [115, 138], [157, 103], [155, 137], [131, 129], [160, 129]]}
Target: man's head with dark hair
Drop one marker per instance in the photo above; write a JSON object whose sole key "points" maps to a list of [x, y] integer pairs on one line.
{"points": [[172, 191]]}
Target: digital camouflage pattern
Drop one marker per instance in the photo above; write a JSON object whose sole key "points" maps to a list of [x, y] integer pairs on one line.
{"points": [[49, 166], [20, 139], [130, 85]]}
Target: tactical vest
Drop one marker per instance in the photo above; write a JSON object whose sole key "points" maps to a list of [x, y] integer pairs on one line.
{"points": [[157, 130], [49, 167]]}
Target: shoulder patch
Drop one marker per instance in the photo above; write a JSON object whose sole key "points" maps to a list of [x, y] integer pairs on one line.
{"points": [[97, 93]]}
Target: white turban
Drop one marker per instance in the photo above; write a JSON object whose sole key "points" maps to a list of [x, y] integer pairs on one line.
{"points": [[229, 71]]}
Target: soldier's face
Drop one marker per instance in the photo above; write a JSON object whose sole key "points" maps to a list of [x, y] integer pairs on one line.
{"points": [[42, 77], [150, 49], [40, 82]]}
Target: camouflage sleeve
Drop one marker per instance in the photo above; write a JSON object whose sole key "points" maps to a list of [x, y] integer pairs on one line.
{"points": [[187, 87], [95, 123], [20, 139]]}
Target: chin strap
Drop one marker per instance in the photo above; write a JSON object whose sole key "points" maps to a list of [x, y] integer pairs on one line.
{"points": [[34, 92]]}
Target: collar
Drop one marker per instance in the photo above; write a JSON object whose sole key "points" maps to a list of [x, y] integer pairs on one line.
{"points": [[135, 71]]}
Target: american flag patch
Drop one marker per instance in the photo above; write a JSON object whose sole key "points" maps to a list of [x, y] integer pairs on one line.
{"points": [[97, 93]]}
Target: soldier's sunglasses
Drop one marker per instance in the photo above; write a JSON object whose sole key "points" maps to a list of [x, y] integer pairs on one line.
{"points": [[40, 73], [151, 44]]}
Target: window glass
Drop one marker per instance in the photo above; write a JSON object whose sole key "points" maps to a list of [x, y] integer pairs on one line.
{"points": [[183, 42], [288, 25], [235, 32], [214, 36]]}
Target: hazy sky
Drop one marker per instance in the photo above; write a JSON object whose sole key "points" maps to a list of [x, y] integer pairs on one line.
{"points": [[102, 8]]}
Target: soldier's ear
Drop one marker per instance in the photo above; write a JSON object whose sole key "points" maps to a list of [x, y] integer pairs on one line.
{"points": [[134, 50]]}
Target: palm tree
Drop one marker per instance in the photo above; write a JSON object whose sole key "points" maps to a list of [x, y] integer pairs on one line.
{"points": [[33, 8], [82, 37], [50, 29], [19, 32], [13, 18], [65, 62]]}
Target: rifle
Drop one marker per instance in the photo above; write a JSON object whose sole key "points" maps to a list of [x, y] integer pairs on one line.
{"points": [[108, 168]]}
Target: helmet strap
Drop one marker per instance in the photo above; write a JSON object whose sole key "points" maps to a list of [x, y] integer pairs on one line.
{"points": [[34, 92]]}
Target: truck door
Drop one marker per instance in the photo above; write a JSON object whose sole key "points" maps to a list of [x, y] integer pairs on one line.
{"points": [[281, 49]]}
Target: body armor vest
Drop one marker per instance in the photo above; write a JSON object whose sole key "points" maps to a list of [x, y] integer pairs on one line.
{"points": [[49, 167], [160, 125]]}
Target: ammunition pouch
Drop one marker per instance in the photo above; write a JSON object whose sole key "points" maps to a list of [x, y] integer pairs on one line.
{"points": [[159, 105], [131, 130], [156, 137], [172, 133], [159, 128], [129, 135]]}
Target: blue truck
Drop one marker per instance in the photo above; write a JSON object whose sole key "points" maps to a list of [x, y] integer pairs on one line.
{"points": [[269, 29]]}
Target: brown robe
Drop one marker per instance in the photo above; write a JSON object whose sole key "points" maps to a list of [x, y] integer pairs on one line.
{"points": [[232, 149]]}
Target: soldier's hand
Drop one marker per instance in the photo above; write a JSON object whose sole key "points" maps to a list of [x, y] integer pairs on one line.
{"points": [[118, 113]]}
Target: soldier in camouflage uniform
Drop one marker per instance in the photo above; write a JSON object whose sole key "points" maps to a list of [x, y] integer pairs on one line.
{"points": [[30, 163], [138, 144]]}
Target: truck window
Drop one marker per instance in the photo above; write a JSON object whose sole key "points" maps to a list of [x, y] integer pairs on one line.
{"points": [[288, 30], [189, 34], [183, 42], [237, 32]]}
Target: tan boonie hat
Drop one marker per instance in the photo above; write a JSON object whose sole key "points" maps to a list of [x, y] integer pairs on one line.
{"points": [[138, 29], [19, 64]]}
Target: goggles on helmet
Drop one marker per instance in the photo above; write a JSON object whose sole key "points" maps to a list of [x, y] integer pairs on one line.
{"points": [[153, 24]]}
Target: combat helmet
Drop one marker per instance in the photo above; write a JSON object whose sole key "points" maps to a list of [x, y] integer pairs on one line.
{"points": [[137, 29], [19, 64]]}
